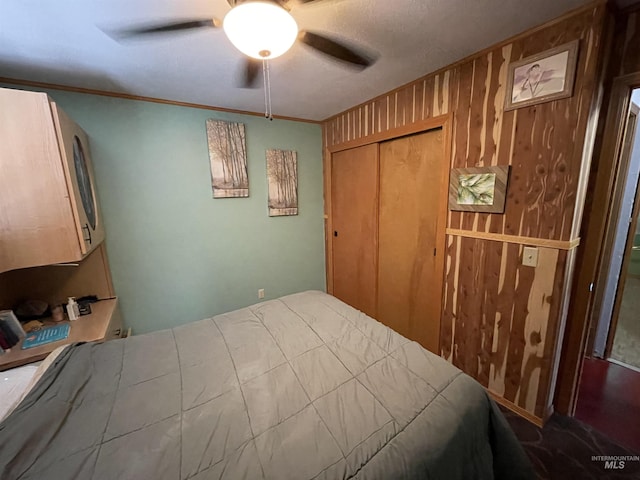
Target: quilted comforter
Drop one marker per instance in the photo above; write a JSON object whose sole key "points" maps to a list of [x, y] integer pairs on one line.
{"points": [[302, 387]]}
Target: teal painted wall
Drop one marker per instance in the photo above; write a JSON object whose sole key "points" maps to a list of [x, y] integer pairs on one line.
{"points": [[176, 254]]}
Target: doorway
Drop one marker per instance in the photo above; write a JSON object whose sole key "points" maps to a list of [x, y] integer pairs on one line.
{"points": [[609, 387], [617, 333]]}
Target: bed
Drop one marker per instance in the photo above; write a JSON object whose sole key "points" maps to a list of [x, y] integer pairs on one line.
{"points": [[302, 387]]}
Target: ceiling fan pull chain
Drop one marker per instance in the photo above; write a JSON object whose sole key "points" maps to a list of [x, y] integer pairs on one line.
{"points": [[264, 81], [267, 88], [269, 83]]}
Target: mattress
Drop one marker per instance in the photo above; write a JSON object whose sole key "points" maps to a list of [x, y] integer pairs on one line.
{"points": [[16, 383], [302, 387]]}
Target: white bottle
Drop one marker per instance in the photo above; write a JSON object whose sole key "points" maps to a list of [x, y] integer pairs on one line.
{"points": [[73, 310]]}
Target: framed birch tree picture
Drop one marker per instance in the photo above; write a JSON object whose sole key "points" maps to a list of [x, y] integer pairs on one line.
{"points": [[282, 179], [228, 159]]}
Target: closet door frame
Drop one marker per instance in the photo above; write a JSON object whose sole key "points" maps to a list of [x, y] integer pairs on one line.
{"points": [[443, 122]]}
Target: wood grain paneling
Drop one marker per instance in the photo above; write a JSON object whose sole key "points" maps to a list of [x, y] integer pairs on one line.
{"points": [[500, 317], [501, 321], [544, 143], [409, 283], [630, 44], [354, 177]]}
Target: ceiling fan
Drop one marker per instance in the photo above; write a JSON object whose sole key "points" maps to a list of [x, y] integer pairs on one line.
{"points": [[262, 30]]}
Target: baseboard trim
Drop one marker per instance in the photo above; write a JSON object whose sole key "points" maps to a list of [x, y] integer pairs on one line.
{"points": [[622, 364], [539, 422]]}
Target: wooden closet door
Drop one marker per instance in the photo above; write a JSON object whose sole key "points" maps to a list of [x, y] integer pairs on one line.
{"points": [[409, 274], [354, 210]]}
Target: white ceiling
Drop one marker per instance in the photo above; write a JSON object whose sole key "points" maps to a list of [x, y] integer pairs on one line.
{"points": [[63, 42]]}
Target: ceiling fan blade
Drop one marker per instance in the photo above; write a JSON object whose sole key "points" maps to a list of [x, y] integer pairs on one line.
{"points": [[251, 71], [336, 50], [171, 27]]}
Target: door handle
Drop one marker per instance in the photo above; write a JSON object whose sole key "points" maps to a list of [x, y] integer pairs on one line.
{"points": [[88, 237]]}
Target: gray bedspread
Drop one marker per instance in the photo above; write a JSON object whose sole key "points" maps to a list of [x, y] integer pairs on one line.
{"points": [[296, 388]]}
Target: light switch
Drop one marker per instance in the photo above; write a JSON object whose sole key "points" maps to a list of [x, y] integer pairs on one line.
{"points": [[530, 256]]}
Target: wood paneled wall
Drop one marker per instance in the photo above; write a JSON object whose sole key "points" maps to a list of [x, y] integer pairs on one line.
{"points": [[500, 318], [629, 44], [502, 321]]}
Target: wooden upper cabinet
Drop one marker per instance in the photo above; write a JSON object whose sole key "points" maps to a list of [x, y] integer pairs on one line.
{"points": [[49, 211], [80, 179]]}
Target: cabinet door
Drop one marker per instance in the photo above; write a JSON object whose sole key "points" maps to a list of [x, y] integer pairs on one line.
{"points": [[36, 222], [74, 148], [409, 267], [354, 205]]}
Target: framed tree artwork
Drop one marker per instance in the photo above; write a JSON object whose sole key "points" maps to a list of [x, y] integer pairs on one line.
{"points": [[228, 159], [282, 179], [479, 189]]}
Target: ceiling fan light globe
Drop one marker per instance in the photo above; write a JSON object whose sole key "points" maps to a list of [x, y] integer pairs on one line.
{"points": [[261, 30]]}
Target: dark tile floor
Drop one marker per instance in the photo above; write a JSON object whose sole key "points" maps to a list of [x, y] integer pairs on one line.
{"points": [[609, 401], [564, 448]]}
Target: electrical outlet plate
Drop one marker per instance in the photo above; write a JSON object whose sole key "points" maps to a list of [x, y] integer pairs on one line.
{"points": [[530, 256], [261, 293]]}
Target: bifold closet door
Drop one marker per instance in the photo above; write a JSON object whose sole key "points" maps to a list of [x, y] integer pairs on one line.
{"points": [[354, 210], [409, 280]]}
